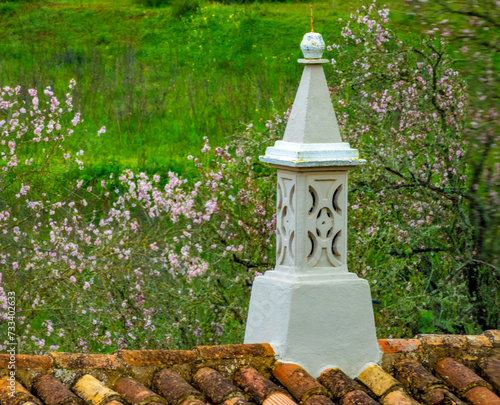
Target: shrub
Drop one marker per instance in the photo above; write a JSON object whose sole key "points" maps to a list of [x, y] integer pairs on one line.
{"points": [[138, 261], [474, 28], [154, 3], [404, 104], [181, 8], [128, 258]]}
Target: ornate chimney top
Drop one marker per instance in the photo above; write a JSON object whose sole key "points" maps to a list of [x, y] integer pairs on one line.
{"points": [[312, 135], [310, 308]]}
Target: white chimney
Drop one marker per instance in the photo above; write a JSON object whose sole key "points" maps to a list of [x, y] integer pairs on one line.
{"points": [[310, 308]]}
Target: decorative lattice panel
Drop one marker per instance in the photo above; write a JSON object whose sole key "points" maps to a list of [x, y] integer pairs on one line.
{"points": [[311, 219]]}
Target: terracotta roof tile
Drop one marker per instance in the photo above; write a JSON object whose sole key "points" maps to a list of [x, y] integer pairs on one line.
{"points": [[494, 336], [142, 358], [93, 391], [278, 398], [237, 374], [338, 383], [192, 401], [53, 392], [317, 400], [415, 378], [358, 397], [83, 360], [468, 349], [458, 376], [378, 381], [235, 351], [399, 345], [236, 401], [297, 381], [455, 341], [23, 361], [440, 396], [398, 398], [21, 394], [215, 385], [255, 384], [135, 392], [174, 388], [482, 396], [490, 369]]}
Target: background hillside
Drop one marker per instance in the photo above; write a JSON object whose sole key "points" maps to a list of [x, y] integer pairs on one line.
{"points": [[150, 234], [160, 81]]}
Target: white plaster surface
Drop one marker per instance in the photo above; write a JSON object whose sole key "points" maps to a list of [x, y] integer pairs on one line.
{"points": [[312, 119], [311, 163], [316, 322], [313, 61], [312, 154]]}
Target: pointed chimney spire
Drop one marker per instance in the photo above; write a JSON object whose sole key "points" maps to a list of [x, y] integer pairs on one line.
{"points": [[312, 135], [312, 119]]}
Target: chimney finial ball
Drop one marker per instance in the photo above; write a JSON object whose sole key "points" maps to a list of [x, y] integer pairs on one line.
{"points": [[312, 45]]}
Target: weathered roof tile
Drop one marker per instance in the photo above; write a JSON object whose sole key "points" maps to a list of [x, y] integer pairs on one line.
{"points": [[358, 397], [93, 391], [21, 395], [317, 400], [235, 351], [278, 398], [255, 384], [378, 381], [458, 376], [236, 401], [174, 388], [338, 383], [398, 398], [440, 396], [297, 381], [494, 336], [85, 360], [215, 385], [54, 392], [25, 361], [192, 401], [455, 341], [415, 378], [142, 358], [159, 377], [490, 368], [135, 392], [399, 345], [482, 396]]}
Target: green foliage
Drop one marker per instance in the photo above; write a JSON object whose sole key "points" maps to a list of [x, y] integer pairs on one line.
{"points": [[474, 29], [182, 8], [12, 2], [8, 8], [154, 3], [255, 1], [160, 83]]}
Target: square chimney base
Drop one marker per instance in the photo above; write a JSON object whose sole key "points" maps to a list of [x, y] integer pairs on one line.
{"points": [[316, 321]]}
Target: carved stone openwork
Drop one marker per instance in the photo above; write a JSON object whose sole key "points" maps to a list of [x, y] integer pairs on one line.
{"points": [[325, 221], [285, 227], [311, 220]]}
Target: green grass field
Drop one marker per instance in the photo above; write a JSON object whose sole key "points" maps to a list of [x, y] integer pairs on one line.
{"points": [[161, 83]]}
